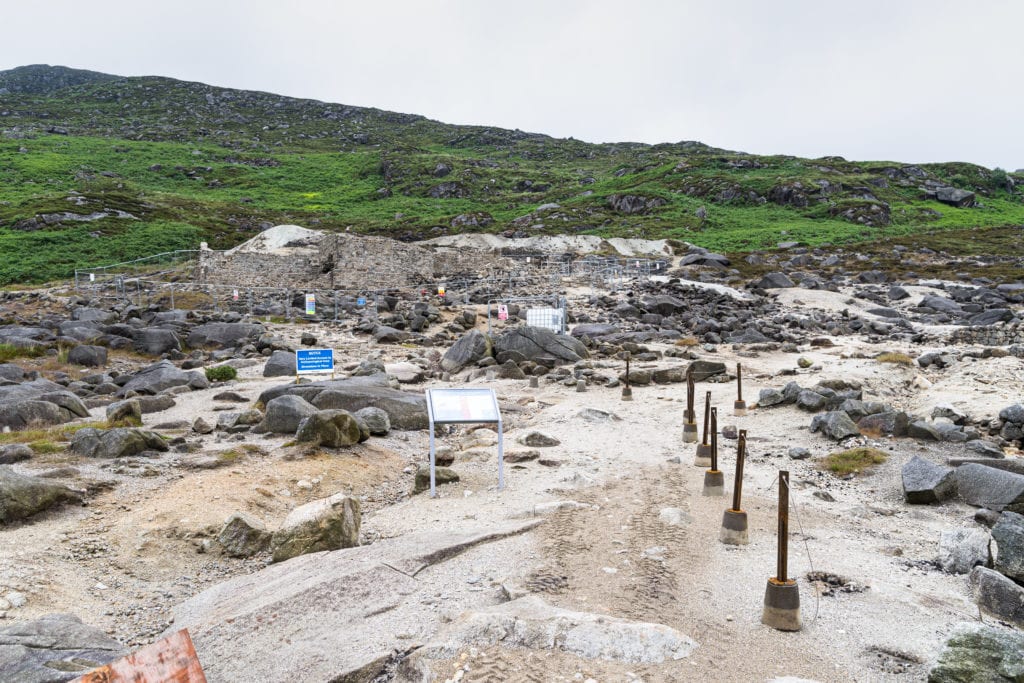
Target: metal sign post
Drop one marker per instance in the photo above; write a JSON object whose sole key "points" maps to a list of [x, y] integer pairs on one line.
{"points": [[464, 406]]}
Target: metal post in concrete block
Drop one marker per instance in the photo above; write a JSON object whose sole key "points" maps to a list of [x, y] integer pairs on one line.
{"points": [[690, 417], [714, 479], [734, 521], [627, 391], [739, 408], [781, 595], [703, 456]]}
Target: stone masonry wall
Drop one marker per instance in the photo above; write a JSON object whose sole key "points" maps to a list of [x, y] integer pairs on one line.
{"points": [[343, 262]]}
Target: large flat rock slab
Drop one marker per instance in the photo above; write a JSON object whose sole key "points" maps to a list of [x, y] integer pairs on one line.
{"points": [[330, 615], [530, 622]]}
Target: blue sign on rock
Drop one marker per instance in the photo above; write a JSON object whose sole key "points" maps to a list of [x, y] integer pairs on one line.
{"points": [[314, 360], [361, 301]]}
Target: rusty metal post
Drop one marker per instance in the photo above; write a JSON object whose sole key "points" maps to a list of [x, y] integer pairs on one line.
{"points": [[703, 456], [690, 417], [714, 480], [627, 390], [739, 408], [783, 556], [734, 521], [741, 455]]}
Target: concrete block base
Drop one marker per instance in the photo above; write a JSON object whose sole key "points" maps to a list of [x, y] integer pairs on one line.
{"points": [[689, 432], [781, 605], [734, 528], [714, 483], [703, 457]]}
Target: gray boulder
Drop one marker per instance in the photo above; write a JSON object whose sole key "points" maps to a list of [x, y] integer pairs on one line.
{"points": [[887, 423], [330, 428], [11, 372], [594, 330], [54, 648], [70, 405], [467, 350], [405, 410], [538, 440], [30, 413], [920, 429], [835, 424], [1008, 534], [14, 452], [221, 335], [280, 364], [442, 475], [991, 488], [382, 334], [22, 496], [243, 536], [121, 442], [1014, 414], [129, 409], [998, 595], [375, 419], [941, 304], [89, 356], [537, 342], [326, 524], [925, 482], [811, 401], [156, 341], [961, 550], [664, 305], [770, 397], [977, 653], [286, 413], [775, 281], [705, 369], [163, 375]]}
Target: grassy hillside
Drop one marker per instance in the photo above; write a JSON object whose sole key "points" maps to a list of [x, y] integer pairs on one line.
{"points": [[95, 169]]}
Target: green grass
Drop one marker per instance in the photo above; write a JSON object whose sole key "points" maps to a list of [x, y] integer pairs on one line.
{"points": [[9, 352], [895, 358], [853, 461], [186, 171]]}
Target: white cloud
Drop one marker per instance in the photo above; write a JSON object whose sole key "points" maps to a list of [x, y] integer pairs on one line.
{"points": [[915, 80]]}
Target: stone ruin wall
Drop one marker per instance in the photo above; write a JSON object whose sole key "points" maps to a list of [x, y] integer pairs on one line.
{"points": [[993, 335], [345, 262]]}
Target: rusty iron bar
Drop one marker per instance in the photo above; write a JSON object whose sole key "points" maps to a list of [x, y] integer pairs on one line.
{"points": [[714, 439], [707, 416], [691, 414], [783, 559], [627, 369], [741, 454], [739, 382]]}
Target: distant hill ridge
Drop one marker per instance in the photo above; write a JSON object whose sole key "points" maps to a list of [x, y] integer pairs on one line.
{"points": [[96, 168]]}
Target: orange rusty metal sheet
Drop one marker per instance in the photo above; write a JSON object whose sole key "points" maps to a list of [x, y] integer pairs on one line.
{"points": [[171, 660]]}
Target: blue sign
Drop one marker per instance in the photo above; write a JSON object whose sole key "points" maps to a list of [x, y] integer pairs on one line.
{"points": [[361, 301], [314, 360]]}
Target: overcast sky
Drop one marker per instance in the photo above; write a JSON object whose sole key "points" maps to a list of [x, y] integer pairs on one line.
{"points": [[910, 80]]}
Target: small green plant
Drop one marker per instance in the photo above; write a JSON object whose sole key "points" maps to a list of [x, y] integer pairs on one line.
{"points": [[9, 352], [221, 373], [62, 353], [893, 357], [853, 461], [43, 447]]}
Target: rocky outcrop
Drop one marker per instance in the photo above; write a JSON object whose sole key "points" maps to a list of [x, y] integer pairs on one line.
{"points": [[976, 653], [367, 588], [115, 443], [57, 647], [22, 496]]}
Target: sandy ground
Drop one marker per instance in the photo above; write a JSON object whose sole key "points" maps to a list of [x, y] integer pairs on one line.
{"points": [[124, 560]]}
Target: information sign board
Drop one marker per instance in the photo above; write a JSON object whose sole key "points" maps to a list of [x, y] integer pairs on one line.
{"points": [[311, 304], [361, 301], [314, 360], [502, 312], [462, 406]]}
